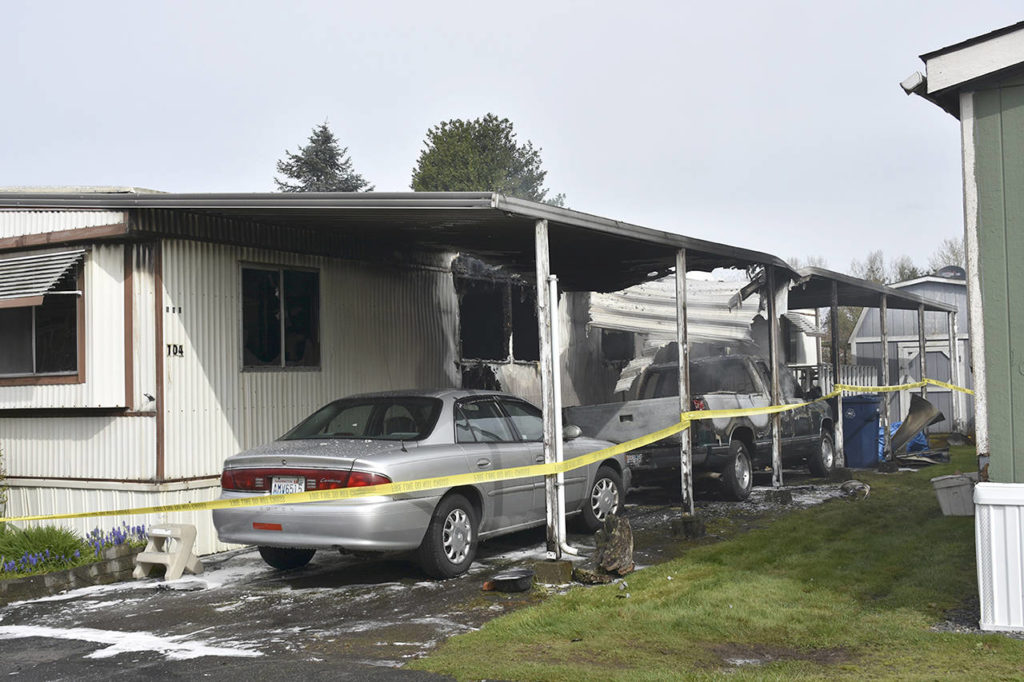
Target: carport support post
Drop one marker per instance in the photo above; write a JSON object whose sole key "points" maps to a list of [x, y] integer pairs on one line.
{"points": [[883, 321], [547, 387], [685, 460], [922, 345], [773, 361], [954, 370], [833, 328]]}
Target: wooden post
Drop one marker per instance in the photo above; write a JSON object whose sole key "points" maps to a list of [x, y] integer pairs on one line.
{"points": [[547, 369], [685, 461], [883, 315], [954, 372], [840, 450], [773, 363], [922, 345]]}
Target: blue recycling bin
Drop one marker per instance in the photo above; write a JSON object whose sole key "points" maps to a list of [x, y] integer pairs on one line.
{"points": [[860, 430]]}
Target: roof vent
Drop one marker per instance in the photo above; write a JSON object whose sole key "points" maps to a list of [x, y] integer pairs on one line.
{"points": [[952, 272]]}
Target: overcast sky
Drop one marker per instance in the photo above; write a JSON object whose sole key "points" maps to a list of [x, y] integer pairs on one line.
{"points": [[776, 126]]}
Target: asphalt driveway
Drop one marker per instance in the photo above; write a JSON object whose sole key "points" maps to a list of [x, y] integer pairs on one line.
{"points": [[341, 617]]}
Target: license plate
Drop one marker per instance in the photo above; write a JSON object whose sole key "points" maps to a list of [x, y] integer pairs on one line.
{"points": [[283, 485], [633, 459]]}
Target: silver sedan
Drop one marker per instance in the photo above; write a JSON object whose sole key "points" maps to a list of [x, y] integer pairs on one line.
{"points": [[391, 437]]}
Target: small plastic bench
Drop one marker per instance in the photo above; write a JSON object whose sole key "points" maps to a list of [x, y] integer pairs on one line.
{"points": [[170, 545]]}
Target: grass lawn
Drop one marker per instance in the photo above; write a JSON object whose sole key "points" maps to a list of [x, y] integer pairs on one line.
{"points": [[847, 589]]}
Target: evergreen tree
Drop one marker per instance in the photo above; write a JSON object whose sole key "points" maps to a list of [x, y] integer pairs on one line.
{"points": [[320, 166], [481, 155]]}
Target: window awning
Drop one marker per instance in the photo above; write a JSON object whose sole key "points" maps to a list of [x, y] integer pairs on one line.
{"points": [[24, 280]]}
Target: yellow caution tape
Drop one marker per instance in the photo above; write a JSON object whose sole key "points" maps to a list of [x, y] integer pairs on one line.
{"points": [[423, 484]]}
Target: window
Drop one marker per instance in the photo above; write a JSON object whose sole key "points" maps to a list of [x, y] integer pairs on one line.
{"points": [[497, 313], [481, 421], [41, 339], [280, 318], [528, 420]]}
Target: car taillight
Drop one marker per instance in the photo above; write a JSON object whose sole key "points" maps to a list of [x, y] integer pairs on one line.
{"points": [[358, 479], [699, 404], [261, 480]]}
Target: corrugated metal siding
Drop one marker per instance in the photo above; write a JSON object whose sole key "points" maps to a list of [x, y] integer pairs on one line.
{"points": [[34, 500], [119, 448], [904, 322], [104, 343], [143, 327], [380, 329], [19, 223], [651, 308]]}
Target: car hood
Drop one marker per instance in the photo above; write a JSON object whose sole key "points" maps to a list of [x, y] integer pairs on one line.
{"points": [[333, 452]]}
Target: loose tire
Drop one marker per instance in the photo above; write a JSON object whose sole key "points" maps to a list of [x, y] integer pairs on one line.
{"points": [[286, 558], [449, 546], [824, 458], [737, 476], [605, 498]]}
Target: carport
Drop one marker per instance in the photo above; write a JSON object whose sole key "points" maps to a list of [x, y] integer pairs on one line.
{"points": [[551, 246], [820, 288]]}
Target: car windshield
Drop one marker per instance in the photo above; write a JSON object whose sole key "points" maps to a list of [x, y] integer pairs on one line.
{"points": [[378, 418]]}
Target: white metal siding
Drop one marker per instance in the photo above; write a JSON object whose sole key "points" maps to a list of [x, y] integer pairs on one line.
{"points": [[32, 500], [380, 329], [104, 343], [117, 448], [143, 328], [21, 223]]}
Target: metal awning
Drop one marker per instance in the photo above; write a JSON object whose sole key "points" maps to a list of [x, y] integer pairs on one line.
{"points": [[24, 280], [814, 290], [588, 252]]}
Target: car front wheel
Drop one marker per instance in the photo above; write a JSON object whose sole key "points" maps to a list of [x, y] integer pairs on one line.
{"points": [[737, 476], [824, 458], [605, 498], [286, 558], [449, 546]]}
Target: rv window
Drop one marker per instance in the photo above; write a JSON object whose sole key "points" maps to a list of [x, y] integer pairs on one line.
{"points": [[42, 339], [280, 318]]}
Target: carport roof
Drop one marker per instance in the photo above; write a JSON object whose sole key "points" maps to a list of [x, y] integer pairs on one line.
{"points": [[588, 252], [814, 290]]}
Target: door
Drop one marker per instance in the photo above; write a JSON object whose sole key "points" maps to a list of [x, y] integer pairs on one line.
{"points": [[529, 424], [490, 443]]}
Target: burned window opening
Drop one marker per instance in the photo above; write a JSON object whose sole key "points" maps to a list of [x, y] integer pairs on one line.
{"points": [[497, 313], [483, 320], [480, 377], [617, 346], [525, 335]]}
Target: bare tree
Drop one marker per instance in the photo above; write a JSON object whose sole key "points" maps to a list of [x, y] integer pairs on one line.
{"points": [[797, 262], [949, 252], [872, 268]]}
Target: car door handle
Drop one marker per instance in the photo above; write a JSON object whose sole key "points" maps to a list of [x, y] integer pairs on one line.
{"points": [[483, 463], [540, 459]]}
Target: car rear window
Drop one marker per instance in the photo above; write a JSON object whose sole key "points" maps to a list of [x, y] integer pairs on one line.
{"points": [[379, 418], [725, 375]]}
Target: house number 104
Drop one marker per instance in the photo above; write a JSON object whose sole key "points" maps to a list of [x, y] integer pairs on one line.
{"points": [[175, 350]]}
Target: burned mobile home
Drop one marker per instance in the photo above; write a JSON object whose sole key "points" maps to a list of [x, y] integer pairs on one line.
{"points": [[148, 336]]}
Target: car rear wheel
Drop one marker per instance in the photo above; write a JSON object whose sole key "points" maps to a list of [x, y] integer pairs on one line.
{"points": [[824, 458], [737, 476], [449, 546], [286, 558], [605, 498]]}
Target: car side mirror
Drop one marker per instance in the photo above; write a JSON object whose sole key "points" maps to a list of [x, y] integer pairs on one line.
{"points": [[571, 432]]}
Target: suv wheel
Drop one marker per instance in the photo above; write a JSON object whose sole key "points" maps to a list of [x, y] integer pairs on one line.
{"points": [[737, 476], [824, 458]]}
